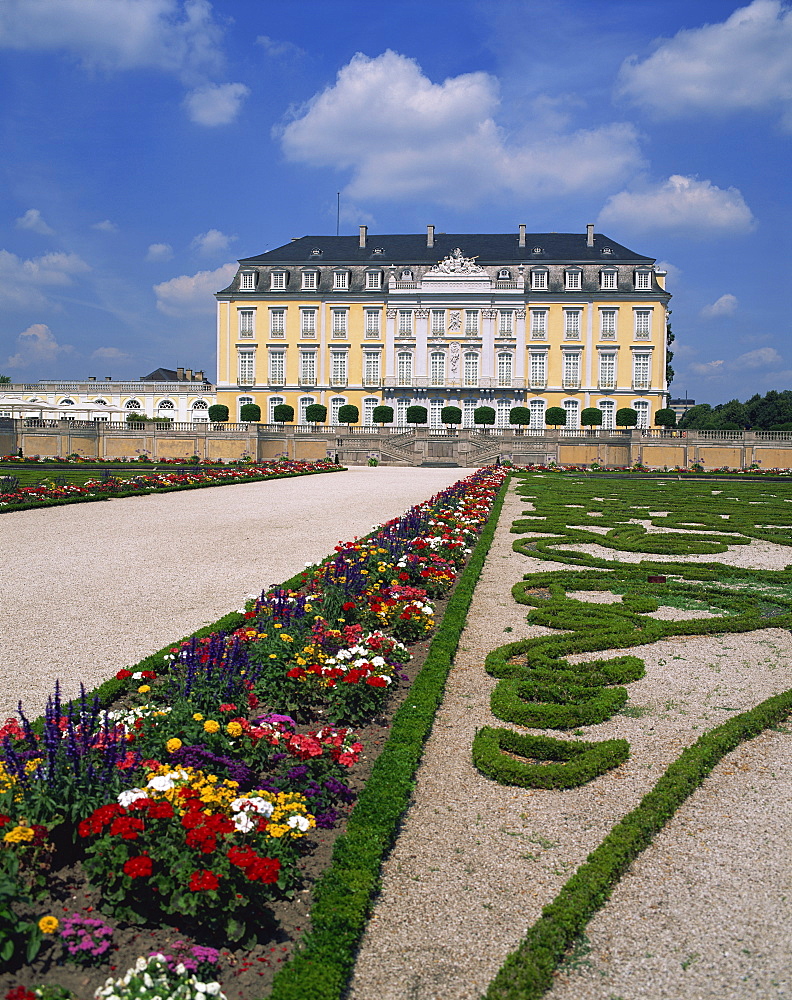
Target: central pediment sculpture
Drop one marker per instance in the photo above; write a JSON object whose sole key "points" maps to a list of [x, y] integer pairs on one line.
{"points": [[456, 264]]}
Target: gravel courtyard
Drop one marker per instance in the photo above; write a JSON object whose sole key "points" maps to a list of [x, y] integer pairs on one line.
{"points": [[91, 588]]}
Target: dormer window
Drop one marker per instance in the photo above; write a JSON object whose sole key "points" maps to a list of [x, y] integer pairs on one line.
{"points": [[316, 252], [609, 279], [539, 280], [537, 251], [572, 280], [309, 280], [373, 281], [406, 274], [341, 281], [278, 280], [643, 280], [606, 251], [379, 250], [247, 281], [504, 274]]}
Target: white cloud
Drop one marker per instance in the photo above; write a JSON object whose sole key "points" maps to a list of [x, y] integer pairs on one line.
{"points": [[743, 63], [32, 220], [275, 48], [674, 273], [159, 251], [682, 204], [762, 357], [36, 345], [212, 241], [106, 226], [193, 293], [22, 281], [109, 354], [724, 306], [403, 136], [709, 368], [215, 104]]}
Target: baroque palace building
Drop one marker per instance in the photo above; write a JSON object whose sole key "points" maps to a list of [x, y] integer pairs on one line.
{"points": [[502, 320]]}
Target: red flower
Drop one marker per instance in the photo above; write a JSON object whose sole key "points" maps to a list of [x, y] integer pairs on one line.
{"points": [[348, 605], [264, 870], [149, 675], [295, 672], [161, 810], [5, 819], [203, 881], [228, 708], [377, 682], [243, 857], [139, 867], [122, 675], [128, 827], [130, 760]]}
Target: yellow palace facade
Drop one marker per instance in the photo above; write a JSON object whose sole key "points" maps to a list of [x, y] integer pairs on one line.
{"points": [[468, 320]]}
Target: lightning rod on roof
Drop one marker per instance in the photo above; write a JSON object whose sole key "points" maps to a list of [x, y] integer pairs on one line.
{"points": [[338, 211]]}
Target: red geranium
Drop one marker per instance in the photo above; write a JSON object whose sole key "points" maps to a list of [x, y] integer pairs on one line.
{"points": [[203, 881], [139, 867], [128, 827], [264, 870], [123, 675]]}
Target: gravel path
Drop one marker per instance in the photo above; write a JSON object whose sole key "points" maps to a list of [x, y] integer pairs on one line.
{"points": [[91, 588], [476, 862]]}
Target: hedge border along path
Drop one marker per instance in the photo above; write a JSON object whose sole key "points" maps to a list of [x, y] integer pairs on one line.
{"points": [[528, 972], [343, 896]]}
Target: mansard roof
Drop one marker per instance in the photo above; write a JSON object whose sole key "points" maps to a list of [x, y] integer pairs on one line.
{"points": [[487, 248]]}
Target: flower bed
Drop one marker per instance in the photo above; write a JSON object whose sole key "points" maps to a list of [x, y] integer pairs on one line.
{"points": [[51, 494], [194, 788]]}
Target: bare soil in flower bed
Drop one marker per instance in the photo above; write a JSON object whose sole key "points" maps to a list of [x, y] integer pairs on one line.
{"points": [[244, 973]]}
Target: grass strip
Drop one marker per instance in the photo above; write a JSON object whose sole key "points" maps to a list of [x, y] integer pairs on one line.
{"points": [[528, 972], [344, 894]]}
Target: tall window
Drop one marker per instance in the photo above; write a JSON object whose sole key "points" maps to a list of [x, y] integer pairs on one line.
{"points": [[471, 373], [405, 322], [642, 365], [340, 322], [608, 324], [607, 369], [404, 368], [277, 367], [278, 280], [401, 411], [247, 281], [271, 404], [468, 407], [277, 322], [538, 324], [369, 403], [608, 408], [437, 368], [572, 407], [308, 367], [246, 318], [371, 367], [502, 409], [308, 322], [340, 281], [506, 322], [438, 321], [373, 280], [309, 280], [302, 406], [539, 280], [643, 324], [338, 367], [641, 407], [609, 280], [571, 370], [505, 370], [243, 401], [372, 323], [336, 402], [435, 410], [537, 410], [471, 322], [537, 369], [643, 280], [246, 366], [572, 324], [572, 281]]}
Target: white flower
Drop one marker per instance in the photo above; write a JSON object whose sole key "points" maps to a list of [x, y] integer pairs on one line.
{"points": [[244, 823], [161, 783], [299, 823], [126, 798], [253, 803], [137, 675], [140, 964], [180, 969]]}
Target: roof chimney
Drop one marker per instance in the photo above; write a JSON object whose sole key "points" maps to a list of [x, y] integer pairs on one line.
{"points": [[91, 378], [108, 378], [363, 231], [199, 376], [522, 235], [430, 236], [590, 234], [188, 374], [179, 374]]}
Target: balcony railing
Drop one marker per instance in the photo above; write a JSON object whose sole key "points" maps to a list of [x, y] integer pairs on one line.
{"points": [[606, 384], [372, 381], [641, 384], [570, 383], [304, 381], [338, 381], [537, 383]]}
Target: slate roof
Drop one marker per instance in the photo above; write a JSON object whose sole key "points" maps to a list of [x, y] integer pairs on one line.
{"points": [[487, 248]]}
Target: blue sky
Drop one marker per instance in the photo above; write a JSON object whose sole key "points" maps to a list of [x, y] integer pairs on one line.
{"points": [[148, 144]]}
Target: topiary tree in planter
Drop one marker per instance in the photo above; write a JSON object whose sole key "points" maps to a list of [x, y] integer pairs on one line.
{"points": [[316, 413], [283, 413], [484, 416], [520, 416], [665, 417], [451, 415], [417, 415], [591, 416], [555, 416], [250, 413], [626, 416], [218, 413], [382, 415], [348, 414]]}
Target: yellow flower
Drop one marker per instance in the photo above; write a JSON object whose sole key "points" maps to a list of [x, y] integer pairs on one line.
{"points": [[276, 625], [19, 834], [262, 635], [198, 717], [173, 745], [210, 726], [273, 656], [144, 689], [286, 638], [234, 729], [48, 925]]}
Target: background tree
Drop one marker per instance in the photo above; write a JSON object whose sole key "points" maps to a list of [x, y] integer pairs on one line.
{"points": [[218, 413], [283, 413], [591, 416], [251, 413], [382, 415], [698, 417], [734, 413], [626, 416], [555, 416], [348, 414], [417, 415], [451, 415], [316, 413], [5, 380], [484, 416], [670, 338], [665, 417], [520, 416]]}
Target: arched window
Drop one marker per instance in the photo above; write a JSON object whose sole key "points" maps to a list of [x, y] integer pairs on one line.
{"points": [[335, 405], [608, 408], [369, 402], [272, 402], [243, 401], [199, 414], [537, 408], [200, 404], [401, 411], [406, 274], [468, 408], [504, 274], [67, 402], [132, 404], [435, 409], [166, 404], [641, 407], [302, 406], [572, 407], [502, 408]]}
